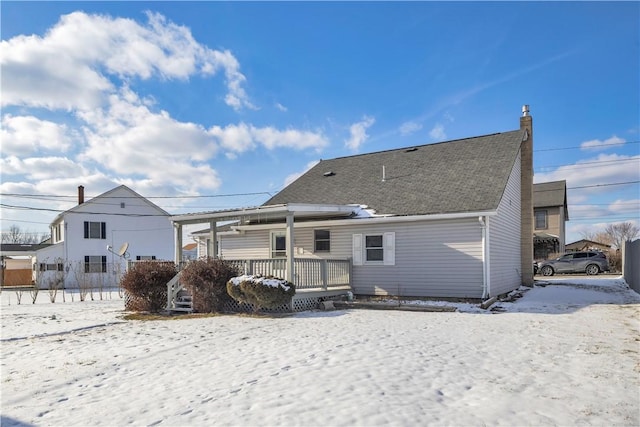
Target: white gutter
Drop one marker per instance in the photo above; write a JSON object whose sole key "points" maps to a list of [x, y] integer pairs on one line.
{"points": [[486, 264], [369, 220], [263, 212]]}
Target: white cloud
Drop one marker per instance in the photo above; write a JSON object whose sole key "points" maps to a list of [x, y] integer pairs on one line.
{"points": [[410, 127], [68, 68], [290, 178], [41, 168], [598, 145], [584, 173], [234, 138], [272, 138], [243, 137], [23, 135], [625, 207], [129, 139], [358, 133], [281, 107], [437, 133]]}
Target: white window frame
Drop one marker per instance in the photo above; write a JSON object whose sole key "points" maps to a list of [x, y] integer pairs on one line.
{"points": [[91, 261], [316, 241], [370, 249], [90, 234], [273, 251], [359, 251], [546, 219]]}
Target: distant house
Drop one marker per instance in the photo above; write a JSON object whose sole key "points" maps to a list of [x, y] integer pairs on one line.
{"points": [[16, 263], [448, 220], [190, 252], [92, 241], [587, 245], [550, 213]]}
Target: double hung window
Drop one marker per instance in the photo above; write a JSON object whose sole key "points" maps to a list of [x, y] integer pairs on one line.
{"points": [[95, 230]]}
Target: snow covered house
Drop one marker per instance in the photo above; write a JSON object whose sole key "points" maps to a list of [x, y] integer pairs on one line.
{"points": [[446, 220], [91, 242]]}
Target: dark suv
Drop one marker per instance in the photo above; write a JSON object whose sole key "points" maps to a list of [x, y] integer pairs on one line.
{"points": [[590, 262]]}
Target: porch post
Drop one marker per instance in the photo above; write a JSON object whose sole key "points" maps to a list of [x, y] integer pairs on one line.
{"points": [[212, 249], [290, 247], [178, 239]]}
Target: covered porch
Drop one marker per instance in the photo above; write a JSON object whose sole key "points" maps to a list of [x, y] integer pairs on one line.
{"points": [[315, 278], [544, 245]]}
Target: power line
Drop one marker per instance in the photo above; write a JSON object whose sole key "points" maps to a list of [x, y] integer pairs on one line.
{"points": [[603, 185], [613, 144], [72, 198], [587, 164], [29, 208], [583, 186]]}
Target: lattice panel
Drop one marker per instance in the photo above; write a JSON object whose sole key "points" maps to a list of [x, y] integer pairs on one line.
{"points": [[304, 304], [301, 304]]}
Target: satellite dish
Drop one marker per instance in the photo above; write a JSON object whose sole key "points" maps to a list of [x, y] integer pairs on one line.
{"points": [[122, 252]]}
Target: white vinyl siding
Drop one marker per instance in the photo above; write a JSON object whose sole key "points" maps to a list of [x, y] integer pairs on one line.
{"points": [[440, 258], [432, 258], [249, 245], [504, 238], [144, 226]]}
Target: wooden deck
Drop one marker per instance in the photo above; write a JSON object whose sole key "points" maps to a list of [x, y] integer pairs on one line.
{"points": [[315, 280]]}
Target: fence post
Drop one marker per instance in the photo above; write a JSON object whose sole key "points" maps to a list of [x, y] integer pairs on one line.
{"points": [[630, 267]]}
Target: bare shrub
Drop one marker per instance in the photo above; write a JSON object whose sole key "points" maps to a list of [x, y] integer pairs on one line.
{"points": [[261, 292], [615, 261], [56, 282], [84, 280], [145, 284], [206, 279], [34, 294]]}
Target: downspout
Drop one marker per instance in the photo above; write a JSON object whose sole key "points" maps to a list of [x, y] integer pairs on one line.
{"points": [[486, 265], [65, 249]]}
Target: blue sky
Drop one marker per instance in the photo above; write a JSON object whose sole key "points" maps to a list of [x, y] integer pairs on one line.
{"points": [[232, 100]]}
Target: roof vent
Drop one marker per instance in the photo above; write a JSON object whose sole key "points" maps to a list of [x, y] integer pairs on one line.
{"points": [[329, 173], [409, 150]]}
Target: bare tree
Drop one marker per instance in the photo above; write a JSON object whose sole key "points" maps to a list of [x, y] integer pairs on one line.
{"points": [[621, 232], [16, 235], [588, 235]]}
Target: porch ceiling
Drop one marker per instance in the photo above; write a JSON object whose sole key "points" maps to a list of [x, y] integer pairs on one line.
{"points": [[267, 213], [545, 237]]}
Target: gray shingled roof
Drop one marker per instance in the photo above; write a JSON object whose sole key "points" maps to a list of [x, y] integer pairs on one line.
{"points": [[546, 194], [466, 175]]}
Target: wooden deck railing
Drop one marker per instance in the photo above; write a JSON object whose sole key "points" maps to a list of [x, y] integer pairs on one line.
{"points": [[332, 275], [309, 273]]}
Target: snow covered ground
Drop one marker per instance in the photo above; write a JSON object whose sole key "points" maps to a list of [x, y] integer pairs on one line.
{"points": [[567, 353]]}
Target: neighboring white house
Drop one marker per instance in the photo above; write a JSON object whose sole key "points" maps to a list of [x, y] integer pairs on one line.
{"points": [[88, 240], [448, 220]]}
